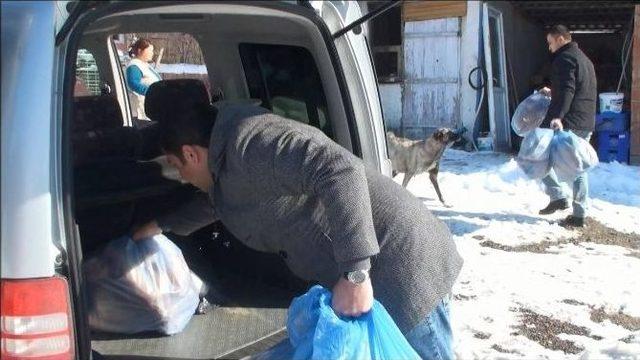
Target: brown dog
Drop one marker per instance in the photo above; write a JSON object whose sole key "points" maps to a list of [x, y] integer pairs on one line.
{"points": [[413, 157]]}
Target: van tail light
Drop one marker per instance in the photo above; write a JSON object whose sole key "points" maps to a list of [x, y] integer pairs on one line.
{"points": [[35, 322]]}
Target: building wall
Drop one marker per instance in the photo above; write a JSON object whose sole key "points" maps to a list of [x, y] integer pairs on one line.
{"points": [[428, 95], [391, 98], [526, 54], [526, 50], [635, 93], [431, 79], [470, 59]]}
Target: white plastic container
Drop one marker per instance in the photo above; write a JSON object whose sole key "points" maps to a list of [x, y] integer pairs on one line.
{"points": [[611, 102]]}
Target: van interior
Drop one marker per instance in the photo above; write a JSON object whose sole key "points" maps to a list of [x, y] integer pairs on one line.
{"points": [[263, 52]]}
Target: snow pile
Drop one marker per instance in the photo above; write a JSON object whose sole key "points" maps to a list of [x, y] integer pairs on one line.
{"points": [[521, 266]]}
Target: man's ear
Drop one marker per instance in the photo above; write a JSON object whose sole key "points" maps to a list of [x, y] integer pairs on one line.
{"points": [[189, 154]]}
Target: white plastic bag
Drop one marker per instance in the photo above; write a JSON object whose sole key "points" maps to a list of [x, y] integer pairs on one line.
{"points": [[571, 155], [530, 113], [536, 145], [534, 169], [534, 155], [144, 285]]}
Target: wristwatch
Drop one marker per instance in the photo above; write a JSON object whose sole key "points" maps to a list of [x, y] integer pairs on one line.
{"points": [[357, 277]]}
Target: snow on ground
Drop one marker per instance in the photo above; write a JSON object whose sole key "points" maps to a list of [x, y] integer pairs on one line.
{"points": [[492, 200], [181, 69]]}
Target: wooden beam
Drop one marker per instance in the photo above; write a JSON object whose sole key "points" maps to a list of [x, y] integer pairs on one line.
{"points": [[559, 5], [427, 10]]}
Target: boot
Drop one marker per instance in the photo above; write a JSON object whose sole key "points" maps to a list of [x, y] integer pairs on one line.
{"points": [[560, 204], [572, 221]]}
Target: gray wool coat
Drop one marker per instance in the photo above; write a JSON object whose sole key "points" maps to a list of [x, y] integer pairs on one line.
{"points": [[284, 187]]}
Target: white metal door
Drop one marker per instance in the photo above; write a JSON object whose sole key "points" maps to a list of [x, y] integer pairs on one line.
{"points": [[495, 63], [431, 96]]}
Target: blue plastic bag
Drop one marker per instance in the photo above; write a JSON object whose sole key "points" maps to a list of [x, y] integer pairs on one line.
{"points": [[144, 285], [316, 332], [571, 155]]}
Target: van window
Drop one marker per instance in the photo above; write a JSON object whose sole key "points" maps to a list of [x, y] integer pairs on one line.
{"points": [[176, 55], [287, 81], [87, 75]]}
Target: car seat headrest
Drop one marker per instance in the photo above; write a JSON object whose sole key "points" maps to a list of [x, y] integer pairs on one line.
{"points": [[176, 95]]}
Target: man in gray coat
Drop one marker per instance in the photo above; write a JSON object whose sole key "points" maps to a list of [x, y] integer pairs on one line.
{"points": [[283, 187]]}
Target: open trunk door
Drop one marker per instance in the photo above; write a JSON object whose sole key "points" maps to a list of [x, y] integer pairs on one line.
{"points": [[345, 19]]}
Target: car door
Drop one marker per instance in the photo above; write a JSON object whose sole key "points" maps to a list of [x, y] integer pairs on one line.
{"points": [[355, 58]]}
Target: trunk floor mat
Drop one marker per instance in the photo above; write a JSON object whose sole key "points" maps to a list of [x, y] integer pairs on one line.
{"points": [[251, 318], [222, 332]]}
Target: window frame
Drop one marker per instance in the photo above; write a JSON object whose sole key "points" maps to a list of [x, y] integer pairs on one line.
{"points": [[118, 70]]}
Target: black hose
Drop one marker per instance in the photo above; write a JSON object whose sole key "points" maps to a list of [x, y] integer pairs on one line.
{"points": [[483, 78]]}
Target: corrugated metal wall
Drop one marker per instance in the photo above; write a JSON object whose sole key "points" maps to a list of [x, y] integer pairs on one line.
{"points": [[431, 97]]}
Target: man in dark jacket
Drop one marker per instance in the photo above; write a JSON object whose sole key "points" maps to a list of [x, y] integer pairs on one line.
{"points": [[283, 187], [573, 107]]}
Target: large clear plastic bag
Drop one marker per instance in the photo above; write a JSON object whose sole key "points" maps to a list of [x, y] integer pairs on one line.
{"points": [[316, 332], [534, 169], [530, 113], [534, 156], [571, 155], [137, 286]]}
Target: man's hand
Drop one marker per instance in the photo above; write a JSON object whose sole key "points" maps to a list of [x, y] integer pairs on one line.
{"points": [[146, 231], [352, 299], [556, 124]]}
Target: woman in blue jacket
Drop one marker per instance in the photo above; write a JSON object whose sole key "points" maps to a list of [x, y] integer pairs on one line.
{"points": [[140, 75]]}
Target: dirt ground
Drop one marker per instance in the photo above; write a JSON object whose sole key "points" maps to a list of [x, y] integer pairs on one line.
{"points": [[593, 232], [544, 329], [626, 321]]}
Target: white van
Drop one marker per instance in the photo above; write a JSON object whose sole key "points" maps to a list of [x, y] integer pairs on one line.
{"points": [[63, 195]]}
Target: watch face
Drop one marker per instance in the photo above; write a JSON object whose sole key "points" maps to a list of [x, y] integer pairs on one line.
{"points": [[357, 277]]}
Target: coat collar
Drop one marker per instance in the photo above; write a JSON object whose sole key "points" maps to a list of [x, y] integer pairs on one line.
{"points": [[565, 47], [227, 118]]}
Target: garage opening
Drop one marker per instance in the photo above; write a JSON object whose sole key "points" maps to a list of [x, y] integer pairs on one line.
{"points": [[605, 33]]}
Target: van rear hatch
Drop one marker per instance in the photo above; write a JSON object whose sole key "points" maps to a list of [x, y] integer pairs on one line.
{"points": [[242, 325]]}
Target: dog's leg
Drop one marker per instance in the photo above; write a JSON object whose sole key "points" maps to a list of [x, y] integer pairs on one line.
{"points": [[433, 176], [405, 181]]}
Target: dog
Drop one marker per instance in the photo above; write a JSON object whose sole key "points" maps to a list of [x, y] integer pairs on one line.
{"points": [[413, 157]]}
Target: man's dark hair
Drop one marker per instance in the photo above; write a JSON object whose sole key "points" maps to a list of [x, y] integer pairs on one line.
{"points": [[186, 127], [559, 30]]}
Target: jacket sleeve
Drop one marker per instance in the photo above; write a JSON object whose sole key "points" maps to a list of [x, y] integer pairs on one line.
{"points": [[134, 80], [189, 217], [292, 162], [563, 88]]}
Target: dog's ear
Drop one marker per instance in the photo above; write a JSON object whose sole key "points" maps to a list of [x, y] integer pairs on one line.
{"points": [[439, 135]]}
